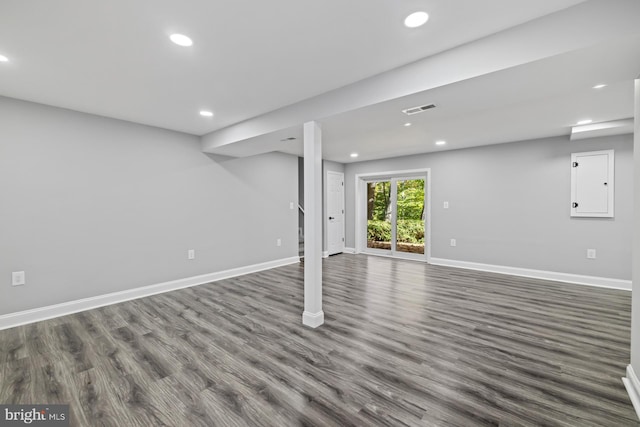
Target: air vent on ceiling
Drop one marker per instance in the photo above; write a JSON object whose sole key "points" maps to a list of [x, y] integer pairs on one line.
{"points": [[416, 110], [291, 138]]}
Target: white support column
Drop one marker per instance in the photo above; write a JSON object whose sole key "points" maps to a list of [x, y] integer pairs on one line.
{"points": [[632, 380], [313, 315]]}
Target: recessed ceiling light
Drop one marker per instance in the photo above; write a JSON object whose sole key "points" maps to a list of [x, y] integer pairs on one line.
{"points": [[205, 113], [4, 58], [354, 155], [407, 124], [584, 122], [600, 86], [441, 142], [181, 40], [416, 19]]}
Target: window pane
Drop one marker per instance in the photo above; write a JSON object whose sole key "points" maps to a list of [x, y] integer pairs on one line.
{"points": [[379, 215], [411, 216]]}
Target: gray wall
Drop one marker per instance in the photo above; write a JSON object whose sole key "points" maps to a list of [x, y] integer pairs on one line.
{"points": [[509, 206], [91, 205]]}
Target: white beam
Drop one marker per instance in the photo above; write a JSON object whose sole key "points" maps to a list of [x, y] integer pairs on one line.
{"points": [[313, 315], [595, 130]]}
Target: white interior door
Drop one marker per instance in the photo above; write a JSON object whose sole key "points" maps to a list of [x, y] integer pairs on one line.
{"points": [[335, 212]]}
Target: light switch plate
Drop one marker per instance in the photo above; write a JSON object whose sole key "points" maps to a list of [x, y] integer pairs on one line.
{"points": [[18, 278]]}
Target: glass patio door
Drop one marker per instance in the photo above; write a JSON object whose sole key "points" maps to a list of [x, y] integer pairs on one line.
{"points": [[410, 216], [396, 217], [379, 215]]}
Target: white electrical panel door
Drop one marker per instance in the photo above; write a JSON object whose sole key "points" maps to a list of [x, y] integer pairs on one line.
{"points": [[592, 184]]}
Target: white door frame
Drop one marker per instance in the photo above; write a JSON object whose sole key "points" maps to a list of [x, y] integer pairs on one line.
{"points": [[361, 210], [326, 212]]}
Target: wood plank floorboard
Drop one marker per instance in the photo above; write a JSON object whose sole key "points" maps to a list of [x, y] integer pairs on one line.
{"points": [[404, 344]]}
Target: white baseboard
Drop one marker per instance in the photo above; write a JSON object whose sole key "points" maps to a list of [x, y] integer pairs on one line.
{"points": [[398, 255], [602, 282], [349, 250], [632, 385], [43, 313], [313, 320]]}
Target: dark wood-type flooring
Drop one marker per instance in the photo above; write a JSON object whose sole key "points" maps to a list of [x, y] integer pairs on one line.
{"points": [[404, 343]]}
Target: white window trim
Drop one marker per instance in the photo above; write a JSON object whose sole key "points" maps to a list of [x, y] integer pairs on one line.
{"points": [[360, 211]]}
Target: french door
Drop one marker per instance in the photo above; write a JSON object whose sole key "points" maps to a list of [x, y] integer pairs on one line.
{"points": [[396, 216]]}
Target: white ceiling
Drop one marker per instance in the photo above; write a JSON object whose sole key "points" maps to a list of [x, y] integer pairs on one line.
{"points": [[589, 41], [539, 99], [114, 58]]}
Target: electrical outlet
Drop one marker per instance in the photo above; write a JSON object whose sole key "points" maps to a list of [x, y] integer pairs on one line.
{"points": [[279, 242], [453, 242], [446, 205], [191, 254], [591, 253], [291, 205], [18, 278]]}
